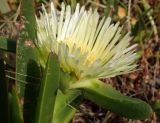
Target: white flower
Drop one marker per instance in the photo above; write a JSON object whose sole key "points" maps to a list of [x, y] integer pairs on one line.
{"points": [[86, 45]]}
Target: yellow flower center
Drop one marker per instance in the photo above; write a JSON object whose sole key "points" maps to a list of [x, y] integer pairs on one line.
{"points": [[91, 55]]}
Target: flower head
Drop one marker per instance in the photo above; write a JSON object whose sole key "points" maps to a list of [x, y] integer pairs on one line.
{"points": [[86, 45]]}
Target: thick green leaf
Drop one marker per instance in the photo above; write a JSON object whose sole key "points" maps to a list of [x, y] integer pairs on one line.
{"points": [[7, 45], [25, 45], [31, 91], [64, 107], [15, 107], [107, 97], [28, 12], [4, 110], [48, 91], [27, 68]]}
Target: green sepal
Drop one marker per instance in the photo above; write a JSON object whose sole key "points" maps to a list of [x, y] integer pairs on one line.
{"points": [[66, 80], [65, 106]]}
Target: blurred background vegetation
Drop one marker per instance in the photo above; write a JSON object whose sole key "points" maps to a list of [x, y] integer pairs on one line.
{"points": [[141, 17]]}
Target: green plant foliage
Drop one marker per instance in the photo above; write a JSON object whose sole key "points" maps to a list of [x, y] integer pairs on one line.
{"points": [[7, 45], [26, 62], [48, 90], [156, 108], [16, 114], [107, 97], [59, 93], [64, 110], [25, 45]]}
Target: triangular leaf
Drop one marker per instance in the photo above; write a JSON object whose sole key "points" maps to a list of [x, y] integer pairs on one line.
{"points": [[107, 97], [48, 91]]}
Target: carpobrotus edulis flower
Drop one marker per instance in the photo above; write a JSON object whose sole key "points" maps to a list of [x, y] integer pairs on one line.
{"points": [[86, 45]]}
